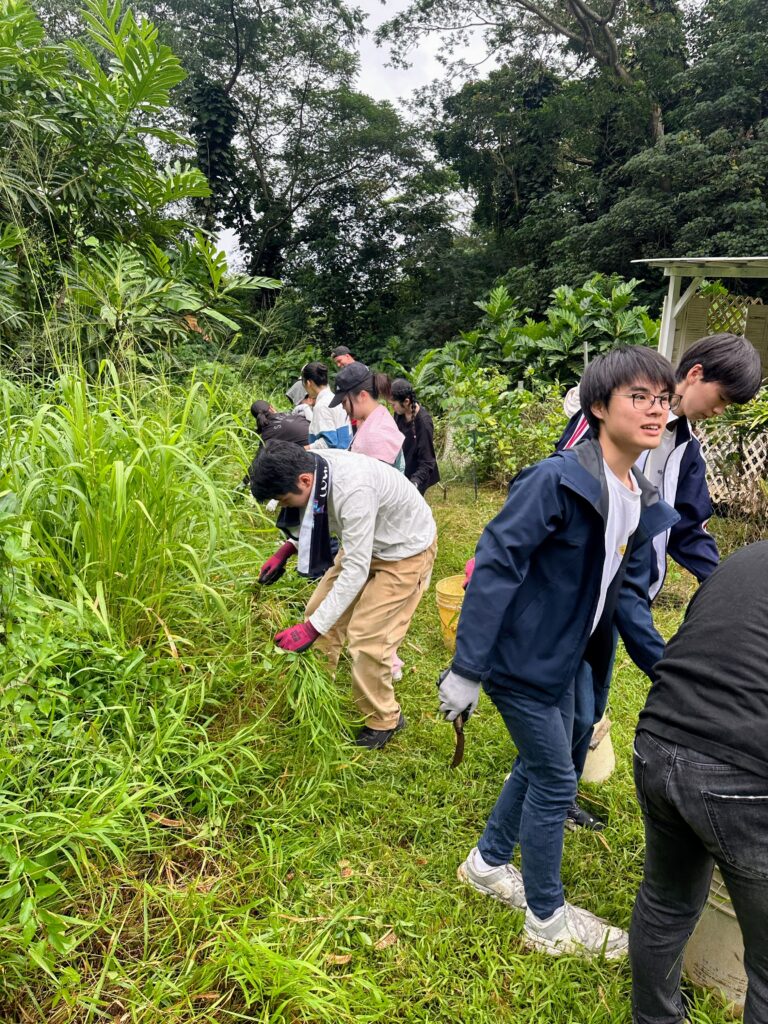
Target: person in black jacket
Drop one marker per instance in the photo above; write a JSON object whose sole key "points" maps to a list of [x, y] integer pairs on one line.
{"points": [[415, 424], [272, 425], [701, 775]]}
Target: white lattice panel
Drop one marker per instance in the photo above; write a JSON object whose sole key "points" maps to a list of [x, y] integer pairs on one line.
{"points": [[736, 469]]}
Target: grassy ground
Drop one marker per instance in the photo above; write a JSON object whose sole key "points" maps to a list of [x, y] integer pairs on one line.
{"points": [[206, 846]]}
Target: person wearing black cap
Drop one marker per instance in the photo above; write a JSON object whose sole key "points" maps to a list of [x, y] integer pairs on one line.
{"points": [[342, 356], [357, 391], [415, 423]]}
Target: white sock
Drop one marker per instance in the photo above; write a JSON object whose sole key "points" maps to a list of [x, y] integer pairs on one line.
{"points": [[542, 921], [481, 865]]}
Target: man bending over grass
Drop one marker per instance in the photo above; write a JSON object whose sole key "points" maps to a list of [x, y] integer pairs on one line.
{"points": [[565, 559], [369, 594]]}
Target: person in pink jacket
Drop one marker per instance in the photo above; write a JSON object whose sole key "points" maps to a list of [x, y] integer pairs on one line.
{"points": [[358, 390]]}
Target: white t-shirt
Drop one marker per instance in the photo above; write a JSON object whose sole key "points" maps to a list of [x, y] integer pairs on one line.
{"points": [[623, 517]]}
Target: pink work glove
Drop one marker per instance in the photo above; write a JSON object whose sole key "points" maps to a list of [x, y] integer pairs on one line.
{"points": [[469, 568], [297, 638], [274, 567]]}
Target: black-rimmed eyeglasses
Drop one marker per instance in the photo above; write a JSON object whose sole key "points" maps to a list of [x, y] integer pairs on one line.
{"points": [[645, 401]]}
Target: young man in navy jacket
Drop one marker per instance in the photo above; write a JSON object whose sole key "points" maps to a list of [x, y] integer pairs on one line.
{"points": [[713, 373], [564, 561]]}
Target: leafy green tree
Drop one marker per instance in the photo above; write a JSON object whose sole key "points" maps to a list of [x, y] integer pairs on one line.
{"points": [[95, 248], [74, 120], [502, 138], [705, 192], [360, 255], [636, 43]]}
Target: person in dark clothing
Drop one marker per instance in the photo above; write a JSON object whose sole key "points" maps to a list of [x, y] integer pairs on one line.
{"points": [[272, 425], [416, 425], [342, 356], [701, 775], [564, 561], [279, 426], [712, 373]]}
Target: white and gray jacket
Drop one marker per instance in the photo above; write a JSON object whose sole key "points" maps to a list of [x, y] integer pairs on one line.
{"points": [[377, 513]]}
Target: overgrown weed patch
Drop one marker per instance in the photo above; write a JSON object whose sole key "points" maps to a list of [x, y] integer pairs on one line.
{"points": [[193, 835]]}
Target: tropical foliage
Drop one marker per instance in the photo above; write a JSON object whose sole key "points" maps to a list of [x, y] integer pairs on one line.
{"points": [[97, 246]]}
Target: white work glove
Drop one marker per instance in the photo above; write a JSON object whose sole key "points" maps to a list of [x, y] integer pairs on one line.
{"points": [[458, 696]]}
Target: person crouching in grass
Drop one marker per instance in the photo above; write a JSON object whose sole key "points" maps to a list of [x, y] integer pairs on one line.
{"points": [[368, 595], [565, 559]]}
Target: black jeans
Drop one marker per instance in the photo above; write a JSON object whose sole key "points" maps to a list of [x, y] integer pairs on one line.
{"points": [[697, 812]]}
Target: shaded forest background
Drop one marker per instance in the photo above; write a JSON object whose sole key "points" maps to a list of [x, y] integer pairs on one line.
{"points": [[601, 134]]}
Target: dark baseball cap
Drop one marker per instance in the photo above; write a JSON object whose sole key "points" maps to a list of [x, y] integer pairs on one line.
{"points": [[350, 378], [340, 350]]}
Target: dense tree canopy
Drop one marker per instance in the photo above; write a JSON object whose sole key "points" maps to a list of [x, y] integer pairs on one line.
{"points": [[601, 133]]}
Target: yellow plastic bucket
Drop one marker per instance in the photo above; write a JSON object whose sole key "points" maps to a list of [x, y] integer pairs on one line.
{"points": [[449, 594]]}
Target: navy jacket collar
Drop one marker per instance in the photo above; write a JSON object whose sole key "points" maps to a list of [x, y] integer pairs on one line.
{"points": [[584, 473]]}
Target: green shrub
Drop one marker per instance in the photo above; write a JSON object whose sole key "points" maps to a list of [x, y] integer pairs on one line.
{"points": [[501, 430], [579, 324]]}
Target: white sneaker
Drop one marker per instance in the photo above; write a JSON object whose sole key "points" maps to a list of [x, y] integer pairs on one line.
{"points": [[575, 930], [504, 883]]}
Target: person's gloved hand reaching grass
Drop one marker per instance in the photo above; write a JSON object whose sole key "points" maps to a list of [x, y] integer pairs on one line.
{"points": [[274, 567], [297, 638]]}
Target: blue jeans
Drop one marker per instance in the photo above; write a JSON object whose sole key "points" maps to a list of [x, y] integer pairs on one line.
{"points": [[533, 804], [698, 812], [584, 712], [589, 708]]}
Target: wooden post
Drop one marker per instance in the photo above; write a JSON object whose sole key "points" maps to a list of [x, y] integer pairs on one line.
{"points": [[667, 331]]}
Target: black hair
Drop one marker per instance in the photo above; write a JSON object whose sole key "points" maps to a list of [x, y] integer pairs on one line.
{"points": [[730, 360], [401, 390], [276, 469], [316, 372], [622, 367], [262, 415], [377, 385]]}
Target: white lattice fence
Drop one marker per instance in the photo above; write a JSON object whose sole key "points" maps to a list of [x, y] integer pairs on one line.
{"points": [[735, 469], [729, 313]]}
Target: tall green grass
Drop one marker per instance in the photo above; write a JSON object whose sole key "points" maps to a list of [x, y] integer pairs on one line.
{"points": [[146, 722]]}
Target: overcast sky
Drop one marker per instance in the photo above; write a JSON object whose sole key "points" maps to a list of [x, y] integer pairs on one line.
{"points": [[395, 84]]}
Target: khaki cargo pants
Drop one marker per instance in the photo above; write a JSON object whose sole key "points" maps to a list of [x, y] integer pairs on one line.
{"points": [[374, 626]]}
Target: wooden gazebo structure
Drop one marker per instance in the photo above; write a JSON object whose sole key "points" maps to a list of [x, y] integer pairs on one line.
{"points": [[687, 316]]}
